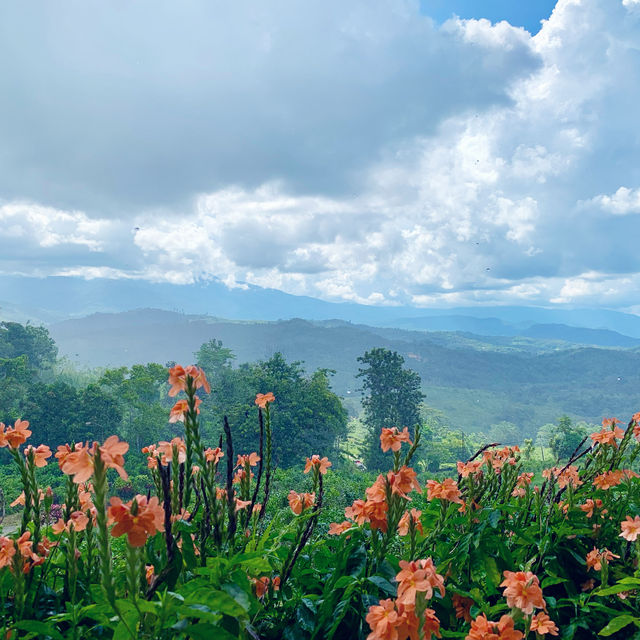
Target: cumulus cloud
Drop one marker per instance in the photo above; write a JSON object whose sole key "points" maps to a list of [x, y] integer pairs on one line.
{"points": [[132, 105], [358, 152], [620, 203]]}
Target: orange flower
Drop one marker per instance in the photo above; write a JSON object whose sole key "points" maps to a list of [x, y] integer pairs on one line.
{"points": [[377, 492], [213, 455], [393, 438], [239, 476], [3, 438], [336, 529], [180, 408], [262, 399], [242, 504], [40, 454], [44, 547], [112, 455], [408, 622], [315, 462], [24, 545], [376, 514], [608, 479], [588, 585], [462, 606], [418, 577], [252, 460], [20, 500], [431, 624], [166, 450], [139, 521], [522, 591], [149, 573], [7, 551], [413, 516], [77, 463], [609, 432], [78, 521], [261, 585], [542, 624], [199, 378], [152, 456], [483, 629], [178, 379], [357, 512], [383, 621], [596, 557], [300, 501], [524, 479], [403, 481], [630, 528], [569, 476], [470, 468], [61, 454], [445, 490], [18, 434], [590, 505]]}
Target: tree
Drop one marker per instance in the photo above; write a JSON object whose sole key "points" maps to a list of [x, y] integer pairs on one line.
{"points": [[391, 398], [26, 340], [567, 437], [307, 417], [141, 400], [505, 433]]}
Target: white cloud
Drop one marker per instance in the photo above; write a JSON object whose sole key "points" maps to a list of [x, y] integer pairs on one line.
{"points": [[498, 194], [48, 227], [622, 202]]}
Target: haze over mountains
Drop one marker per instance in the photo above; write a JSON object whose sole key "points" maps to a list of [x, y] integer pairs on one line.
{"points": [[57, 298], [479, 365]]}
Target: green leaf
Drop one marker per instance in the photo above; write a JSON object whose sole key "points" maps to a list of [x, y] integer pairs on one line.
{"points": [[38, 629], [306, 614], [384, 584], [357, 561], [343, 581], [609, 591], [619, 623], [551, 580], [205, 631], [216, 601], [493, 574]]}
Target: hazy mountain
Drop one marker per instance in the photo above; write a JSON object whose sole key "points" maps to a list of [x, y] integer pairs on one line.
{"points": [[47, 299], [580, 335], [476, 380]]}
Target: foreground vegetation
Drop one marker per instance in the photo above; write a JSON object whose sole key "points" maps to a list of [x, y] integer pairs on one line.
{"points": [[206, 552]]}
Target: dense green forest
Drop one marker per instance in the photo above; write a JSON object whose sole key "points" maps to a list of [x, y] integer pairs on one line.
{"points": [[66, 404]]}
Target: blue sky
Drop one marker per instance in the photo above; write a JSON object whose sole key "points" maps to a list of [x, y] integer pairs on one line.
{"points": [[373, 151], [520, 13]]}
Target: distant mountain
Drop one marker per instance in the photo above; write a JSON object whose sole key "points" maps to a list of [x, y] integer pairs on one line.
{"points": [[580, 335], [476, 380]]}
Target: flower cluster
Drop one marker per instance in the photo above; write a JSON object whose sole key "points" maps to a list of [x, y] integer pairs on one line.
{"points": [[407, 615]]}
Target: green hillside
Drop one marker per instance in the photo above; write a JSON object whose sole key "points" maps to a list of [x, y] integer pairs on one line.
{"points": [[475, 380]]}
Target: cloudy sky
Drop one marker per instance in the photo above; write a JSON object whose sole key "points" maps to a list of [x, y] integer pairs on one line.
{"points": [[377, 151]]}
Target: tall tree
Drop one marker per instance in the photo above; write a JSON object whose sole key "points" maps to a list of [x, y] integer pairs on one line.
{"points": [[26, 340], [307, 417], [391, 398]]}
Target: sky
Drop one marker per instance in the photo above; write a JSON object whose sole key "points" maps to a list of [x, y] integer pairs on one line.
{"points": [[388, 152]]}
